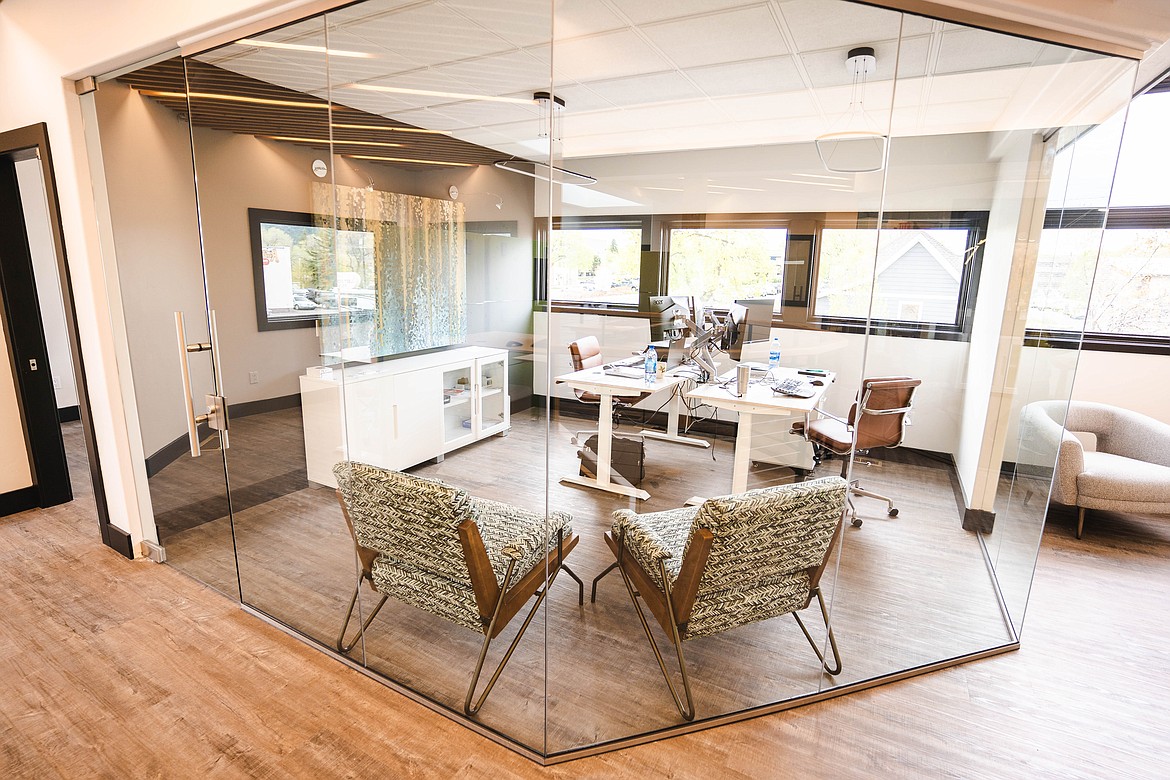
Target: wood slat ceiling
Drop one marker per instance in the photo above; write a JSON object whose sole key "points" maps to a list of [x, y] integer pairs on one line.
{"points": [[293, 114]]}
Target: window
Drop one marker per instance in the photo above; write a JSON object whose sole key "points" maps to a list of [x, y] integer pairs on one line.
{"points": [[595, 260], [1120, 263], [720, 265], [1129, 280], [923, 271]]}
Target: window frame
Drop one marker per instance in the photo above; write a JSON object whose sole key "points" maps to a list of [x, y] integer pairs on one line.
{"points": [[801, 226], [1104, 219], [976, 224]]}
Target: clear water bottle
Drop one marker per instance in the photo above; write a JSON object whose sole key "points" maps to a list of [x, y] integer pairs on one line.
{"points": [[651, 364], [774, 353]]}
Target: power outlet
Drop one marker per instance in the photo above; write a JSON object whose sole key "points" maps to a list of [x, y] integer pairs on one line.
{"points": [[253, 377], [56, 383]]}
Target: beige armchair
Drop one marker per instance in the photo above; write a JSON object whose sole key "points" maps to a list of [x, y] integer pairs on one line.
{"points": [[1128, 472]]}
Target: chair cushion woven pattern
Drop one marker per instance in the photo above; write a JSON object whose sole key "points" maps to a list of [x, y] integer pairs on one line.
{"points": [[412, 522], [764, 542], [509, 532]]}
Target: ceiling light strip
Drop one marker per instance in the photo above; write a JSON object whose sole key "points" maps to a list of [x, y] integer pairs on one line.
{"points": [[584, 179], [335, 141], [306, 47], [390, 129], [159, 93], [409, 160], [436, 93]]}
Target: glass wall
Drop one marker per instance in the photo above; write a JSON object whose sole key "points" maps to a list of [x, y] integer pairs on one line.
{"points": [[440, 241]]}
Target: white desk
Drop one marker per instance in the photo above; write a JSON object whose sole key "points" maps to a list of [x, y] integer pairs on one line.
{"points": [[595, 380], [759, 400]]}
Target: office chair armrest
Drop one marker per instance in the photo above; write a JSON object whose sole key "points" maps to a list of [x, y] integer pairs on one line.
{"points": [[841, 420]]}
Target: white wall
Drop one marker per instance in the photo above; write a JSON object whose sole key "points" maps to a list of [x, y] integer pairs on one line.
{"points": [[48, 281], [1137, 382]]}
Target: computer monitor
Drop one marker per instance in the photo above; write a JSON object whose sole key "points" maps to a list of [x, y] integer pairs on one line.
{"points": [[734, 330], [759, 318], [665, 315]]}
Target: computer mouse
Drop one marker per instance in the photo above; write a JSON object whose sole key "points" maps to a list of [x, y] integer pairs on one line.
{"points": [[817, 382]]}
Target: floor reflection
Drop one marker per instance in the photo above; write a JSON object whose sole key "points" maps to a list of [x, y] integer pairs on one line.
{"points": [[905, 591]]}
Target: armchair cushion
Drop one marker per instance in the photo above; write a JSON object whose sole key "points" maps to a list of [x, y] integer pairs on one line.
{"points": [[656, 536], [512, 533], [1112, 478]]}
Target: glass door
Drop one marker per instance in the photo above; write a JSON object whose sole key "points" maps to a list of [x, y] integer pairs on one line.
{"points": [[141, 150]]}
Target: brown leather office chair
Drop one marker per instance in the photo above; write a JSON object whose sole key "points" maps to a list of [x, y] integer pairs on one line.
{"points": [[877, 419], [586, 353]]}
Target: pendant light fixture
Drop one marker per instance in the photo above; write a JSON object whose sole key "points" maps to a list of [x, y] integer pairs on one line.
{"points": [[855, 144]]}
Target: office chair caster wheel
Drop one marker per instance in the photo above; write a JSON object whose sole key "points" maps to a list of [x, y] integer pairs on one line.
{"points": [[893, 512], [857, 522]]}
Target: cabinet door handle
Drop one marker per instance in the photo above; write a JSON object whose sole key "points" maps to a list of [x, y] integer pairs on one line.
{"points": [[394, 415]]}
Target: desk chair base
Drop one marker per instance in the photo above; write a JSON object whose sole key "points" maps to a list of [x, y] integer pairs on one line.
{"points": [[856, 490]]}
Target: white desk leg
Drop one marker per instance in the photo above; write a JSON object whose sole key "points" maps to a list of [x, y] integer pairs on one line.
{"points": [[743, 458], [672, 417], [605, 455], [743, 453]]}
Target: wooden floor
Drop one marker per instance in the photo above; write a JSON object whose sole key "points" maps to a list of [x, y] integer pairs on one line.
{"points": [[113, 668], [904, 592]]}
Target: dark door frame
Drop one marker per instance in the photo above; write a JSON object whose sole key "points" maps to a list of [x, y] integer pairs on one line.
{"points": [[24, 318]]}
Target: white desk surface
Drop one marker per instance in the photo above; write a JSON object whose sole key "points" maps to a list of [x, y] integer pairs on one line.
{"points": [[595, 380], [760, 399]]}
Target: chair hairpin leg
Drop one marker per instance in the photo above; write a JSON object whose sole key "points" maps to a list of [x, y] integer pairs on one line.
{"points": [[832, 639], [341, 646], [487, 638], [580, 585], [593, 590], [687, 712]]}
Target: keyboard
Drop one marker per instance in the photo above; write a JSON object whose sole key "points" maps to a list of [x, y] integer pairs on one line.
{"points": [[794, 387], [626, 363], [627, 372]]}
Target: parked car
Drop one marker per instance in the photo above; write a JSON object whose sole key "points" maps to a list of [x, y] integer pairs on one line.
{"points": [[301, 302]]}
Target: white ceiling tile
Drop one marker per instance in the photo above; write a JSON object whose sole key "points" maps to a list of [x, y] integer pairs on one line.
{"points": [[646, 11], [732, 36], [498, 74], [580, 98], [574, 18], [967, 50], [824, 24], [609, 55], [519, 22], [429, 35], [642, 90], [775, 74]]}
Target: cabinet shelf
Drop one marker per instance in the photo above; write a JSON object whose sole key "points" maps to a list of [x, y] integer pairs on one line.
{"points": [[490, 393], [458, 400]]}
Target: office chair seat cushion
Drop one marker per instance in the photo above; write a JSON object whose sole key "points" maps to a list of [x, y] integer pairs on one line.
{"points": [[832, 434], [1109, 479]]}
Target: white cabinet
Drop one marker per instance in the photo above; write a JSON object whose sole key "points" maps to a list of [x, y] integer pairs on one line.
{"points": [[399, 413]]}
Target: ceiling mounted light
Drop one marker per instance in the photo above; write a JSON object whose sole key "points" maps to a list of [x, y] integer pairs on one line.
{"points": [[563, 175], [855, 144], [549, 109]]}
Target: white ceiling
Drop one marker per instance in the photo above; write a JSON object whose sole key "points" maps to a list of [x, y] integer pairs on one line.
{"points": [[650, 75]]}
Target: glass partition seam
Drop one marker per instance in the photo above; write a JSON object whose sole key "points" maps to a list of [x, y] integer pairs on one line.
{"points": [[550, 124], [1081, 336], [215, 356]]}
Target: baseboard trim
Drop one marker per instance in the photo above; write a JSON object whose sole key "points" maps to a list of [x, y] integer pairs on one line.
{"points": [[69, 413], [169, 453], [978, 520], [19, 500]]}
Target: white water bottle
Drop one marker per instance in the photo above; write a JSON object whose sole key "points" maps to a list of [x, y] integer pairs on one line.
{"points": [[774, 354], [651, 364]]}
